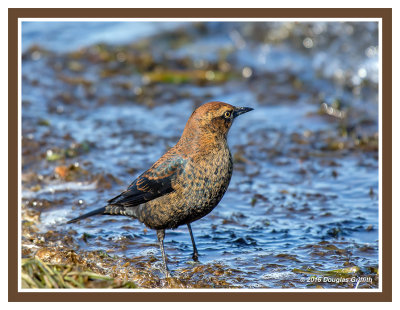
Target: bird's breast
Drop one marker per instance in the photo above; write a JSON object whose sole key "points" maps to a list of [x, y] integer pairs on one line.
{"points": [[204, 183], [197, 191]]}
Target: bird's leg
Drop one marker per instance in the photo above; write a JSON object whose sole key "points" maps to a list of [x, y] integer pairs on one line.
{"points": [[195, 255], [160, 236]]}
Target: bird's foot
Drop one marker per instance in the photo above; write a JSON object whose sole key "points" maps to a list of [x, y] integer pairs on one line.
{"points": [[167, 274], [195, 257]]}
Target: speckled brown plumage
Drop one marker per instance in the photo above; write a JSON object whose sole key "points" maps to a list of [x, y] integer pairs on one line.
{"points": [[188, 181]]}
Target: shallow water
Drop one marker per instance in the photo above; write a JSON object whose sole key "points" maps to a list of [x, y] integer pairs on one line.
{"points": [[303, 199]]}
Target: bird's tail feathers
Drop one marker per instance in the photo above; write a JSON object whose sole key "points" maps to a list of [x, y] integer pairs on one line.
{"points": [[94, 212]]}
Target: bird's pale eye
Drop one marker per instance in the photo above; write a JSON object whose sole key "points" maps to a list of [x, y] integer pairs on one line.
{"points": [[227, 114]]}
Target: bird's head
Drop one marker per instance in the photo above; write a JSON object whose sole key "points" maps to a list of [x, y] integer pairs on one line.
{"points": [[214, 118]]}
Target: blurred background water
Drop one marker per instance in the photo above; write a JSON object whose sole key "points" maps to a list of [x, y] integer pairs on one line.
{"points": [[101, 101]]}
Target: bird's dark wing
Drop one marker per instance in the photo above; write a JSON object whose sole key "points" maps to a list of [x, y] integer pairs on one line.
{"points": [[154, 183]]}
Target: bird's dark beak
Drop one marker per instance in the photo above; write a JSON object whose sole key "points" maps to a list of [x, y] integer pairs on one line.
{"points": [[240, 110]]}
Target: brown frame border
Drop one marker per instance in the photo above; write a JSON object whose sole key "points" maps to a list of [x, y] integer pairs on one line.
{"points": [[384, 13]]}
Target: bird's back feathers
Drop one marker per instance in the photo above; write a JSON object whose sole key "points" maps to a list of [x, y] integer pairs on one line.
{"points": [[155, 182]]}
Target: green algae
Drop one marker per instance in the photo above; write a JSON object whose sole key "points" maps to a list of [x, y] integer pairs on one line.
{"points": [[37, 274]]}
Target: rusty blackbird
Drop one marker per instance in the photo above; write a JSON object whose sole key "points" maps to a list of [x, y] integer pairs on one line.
{"points": [[187, 182]]}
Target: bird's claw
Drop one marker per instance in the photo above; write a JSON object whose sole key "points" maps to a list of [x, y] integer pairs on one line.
{"points": [[195, 257], [168, 274]]}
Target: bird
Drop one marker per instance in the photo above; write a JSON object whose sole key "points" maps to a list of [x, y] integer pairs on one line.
{"points": [[187, 182]]}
